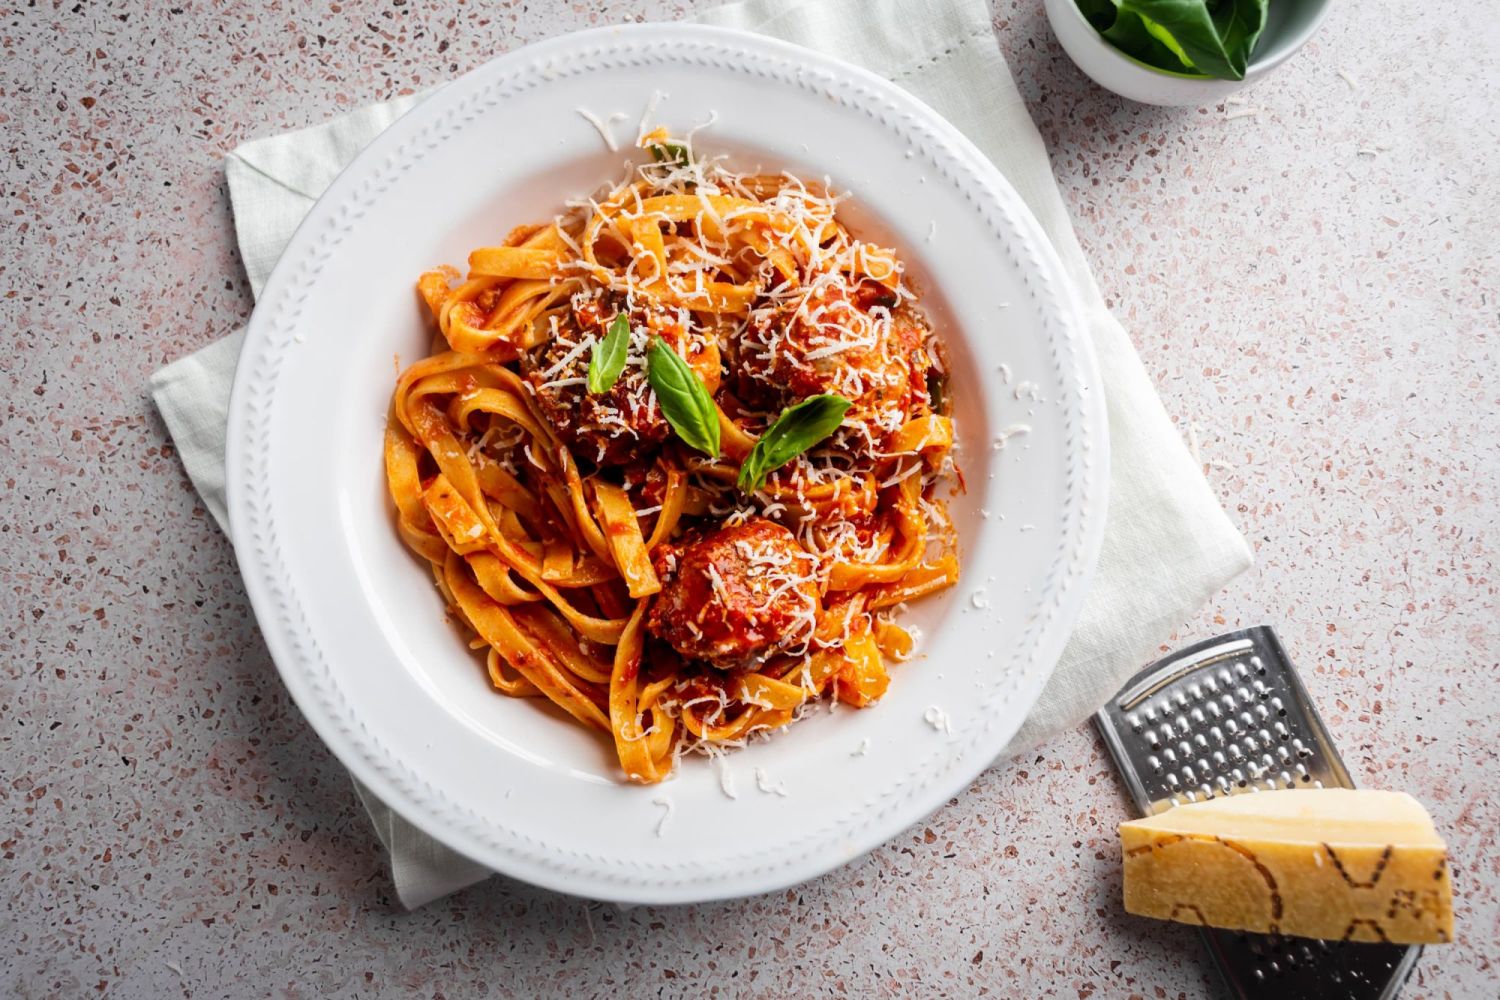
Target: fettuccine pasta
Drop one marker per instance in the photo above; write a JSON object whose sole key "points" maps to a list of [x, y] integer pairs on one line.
{"points": [[675, 459]]}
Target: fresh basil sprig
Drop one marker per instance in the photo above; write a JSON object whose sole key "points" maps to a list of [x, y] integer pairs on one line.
{"points": [[797, 429], [1212, 37], [937, 391], [683, 397], [608, 359], [670, 152]]}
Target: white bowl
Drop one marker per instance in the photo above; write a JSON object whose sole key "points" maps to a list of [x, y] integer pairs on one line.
{"points": [[1288, 27]]}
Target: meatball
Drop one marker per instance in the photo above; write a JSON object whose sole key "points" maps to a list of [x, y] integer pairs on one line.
{"points": [[736, 596], [855, 342], [614, 427]]}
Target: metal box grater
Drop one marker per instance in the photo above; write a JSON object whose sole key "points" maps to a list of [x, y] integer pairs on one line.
{"points": [[1227, 716]]}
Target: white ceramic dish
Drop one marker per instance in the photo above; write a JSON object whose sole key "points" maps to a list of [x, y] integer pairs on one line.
{"points": [[353, 621], [1290, 23]]}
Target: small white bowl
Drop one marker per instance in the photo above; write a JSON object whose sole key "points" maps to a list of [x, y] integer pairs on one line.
{"points": [[1288, 27]]}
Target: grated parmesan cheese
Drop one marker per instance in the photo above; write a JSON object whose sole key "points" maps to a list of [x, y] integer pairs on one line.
{"points": [[666, 804], [726, 780], [764, 783], [603, 129], [937, 719]]}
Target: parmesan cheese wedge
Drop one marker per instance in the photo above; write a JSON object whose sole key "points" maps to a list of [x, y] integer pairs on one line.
{"points": [[1334, 863]]}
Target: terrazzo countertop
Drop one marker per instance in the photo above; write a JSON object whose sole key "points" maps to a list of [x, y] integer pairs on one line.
{"points": [[1312, 286]]}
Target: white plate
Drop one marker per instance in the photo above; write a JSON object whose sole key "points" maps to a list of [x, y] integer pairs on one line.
{"points": [[353, 621]]}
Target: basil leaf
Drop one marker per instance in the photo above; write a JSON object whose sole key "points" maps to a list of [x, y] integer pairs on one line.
{"points": [[684, 399], [608, 359], [1100, 13], [1131, 36], [796, 430], [1239, 25], [937, 391], [670, 152], [1213, 37], [1164, 36]]}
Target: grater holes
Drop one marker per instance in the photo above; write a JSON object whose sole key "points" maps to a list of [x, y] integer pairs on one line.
{"points": [[1286, 952]]}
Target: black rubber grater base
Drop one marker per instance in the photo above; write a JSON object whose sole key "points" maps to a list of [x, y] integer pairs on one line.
{"points": [[1226, 716]]}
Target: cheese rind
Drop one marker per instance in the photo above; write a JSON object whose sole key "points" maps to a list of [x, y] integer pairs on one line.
{"points": [[1338, 864]]}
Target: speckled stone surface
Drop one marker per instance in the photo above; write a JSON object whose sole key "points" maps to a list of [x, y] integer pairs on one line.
{"points": [[1313, 287]]}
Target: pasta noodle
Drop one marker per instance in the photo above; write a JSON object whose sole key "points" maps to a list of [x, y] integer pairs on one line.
{"points": [[603, 555]]}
